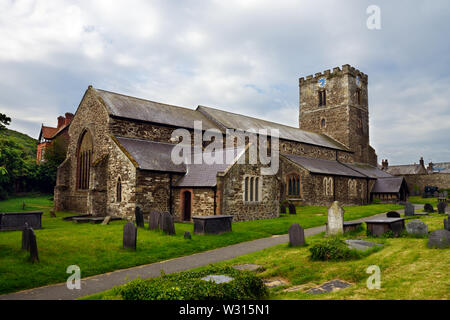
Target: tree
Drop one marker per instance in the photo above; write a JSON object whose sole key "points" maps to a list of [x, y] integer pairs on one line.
{"points": [[4, 121], [54, 155]]}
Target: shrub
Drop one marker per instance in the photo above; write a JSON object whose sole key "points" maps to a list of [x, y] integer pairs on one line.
{"points": [[331, 249], [189, 286]]}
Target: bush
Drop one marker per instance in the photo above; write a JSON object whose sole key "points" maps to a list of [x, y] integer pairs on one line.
{"points": [[331, 249], [189, 286]]}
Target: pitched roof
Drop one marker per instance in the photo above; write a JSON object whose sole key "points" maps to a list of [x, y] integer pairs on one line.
{"points": [[321, 166], [388, 185], [48, 132], [235, 121], [368, 170], [406, 169], [150, 155], [139, 109]]}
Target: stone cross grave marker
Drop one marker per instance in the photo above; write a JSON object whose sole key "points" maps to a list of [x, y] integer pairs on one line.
{"points": [[129, 236], [335, 224], [154, 220], [409, 209], [34, 257], [296, 235], [139, 217], [26, 237], [167, 223]]}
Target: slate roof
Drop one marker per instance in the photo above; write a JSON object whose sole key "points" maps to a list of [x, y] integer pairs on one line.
{"points": [[321, 166], [139, 109], [368, 170], [231, 120], [388, 185], [406, 169], [48, 132], [150, 155]]}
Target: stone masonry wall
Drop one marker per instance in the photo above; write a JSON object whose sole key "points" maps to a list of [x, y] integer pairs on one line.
{"points": [[202, 202], [440, 180]]}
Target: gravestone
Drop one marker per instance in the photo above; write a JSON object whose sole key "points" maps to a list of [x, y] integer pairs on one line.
{"points": [[218, 279], [34, 257], [446, 224], [428, 208], [292, 209], [248, 267], [283, 208], [187, 235], [26, 237], [361, 245], [335, 224], [445, 194], [442, 206], [167, 223], [329, 286], [154, 220], [439, 239], [409, 209], [129, 236], [417, 227], [139, 217], [106, 221], [393, 214], [296, 236], [435, 194], [52, 213]]}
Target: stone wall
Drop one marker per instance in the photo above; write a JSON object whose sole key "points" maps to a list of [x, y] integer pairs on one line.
{"points": [[202, 202], [440, 180]]}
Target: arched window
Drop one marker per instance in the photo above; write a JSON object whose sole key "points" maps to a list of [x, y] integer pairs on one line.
{"points": [[293, 182], [256, 189], [352, 186], [328, 189], [246, 189], [252, 180], [252, 189], [323, 123], [322, 98], [84, 161], [119, 191]]}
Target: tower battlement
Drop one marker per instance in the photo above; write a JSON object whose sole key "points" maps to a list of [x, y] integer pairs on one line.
{"points": [[345, 69]]}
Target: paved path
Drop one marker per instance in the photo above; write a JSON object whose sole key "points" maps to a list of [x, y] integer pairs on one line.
{"points": [[107, 281]]}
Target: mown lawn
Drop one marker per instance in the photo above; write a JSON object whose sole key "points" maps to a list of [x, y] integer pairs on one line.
{"points": [[420, 200], [98, 249]]}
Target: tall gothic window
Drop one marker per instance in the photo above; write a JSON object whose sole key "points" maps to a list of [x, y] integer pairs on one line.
{"points": [[352, 186], [119, 191], [85, 150], [328, 189], [322, 98], [252, 189], [293, 182]]}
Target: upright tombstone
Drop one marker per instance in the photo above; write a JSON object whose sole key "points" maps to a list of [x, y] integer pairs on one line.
{"points": [[435, 194], [442, 206], [187, 235], [417, 227], [335, 224], [445, 194], [283, 208], [393, 214], [446, 224], [439, 239], [409, 209], [129, 236], [428, 208], [292, 209], [167, 223], [52, 213], [26, 237], [34, 257], [154, 220], [139, 217], [106, 221], [296, 235]]}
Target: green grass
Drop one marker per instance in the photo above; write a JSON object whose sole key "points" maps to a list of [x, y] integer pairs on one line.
{"points": [[33, 202], [420, 200], [98, 249]]}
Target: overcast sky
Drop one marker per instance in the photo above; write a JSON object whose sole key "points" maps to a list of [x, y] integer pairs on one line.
{"points": [[243, 56]]}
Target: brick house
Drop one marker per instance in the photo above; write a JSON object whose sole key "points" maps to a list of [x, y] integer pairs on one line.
{"points": [[119, 155], [49, 134]]}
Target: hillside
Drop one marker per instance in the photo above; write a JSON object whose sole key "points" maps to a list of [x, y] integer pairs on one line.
{"points": [[26, 143]]}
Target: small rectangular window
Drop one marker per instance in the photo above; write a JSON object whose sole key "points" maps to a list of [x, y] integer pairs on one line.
{"points": [[322, 98]]}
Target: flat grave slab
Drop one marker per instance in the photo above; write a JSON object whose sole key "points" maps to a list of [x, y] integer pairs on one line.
{"points": [[212, 224], [273, 283], [248, 267], [351, 226], [218, 278], [15, 221], [361, 245], [329, 286], [378, 227]]}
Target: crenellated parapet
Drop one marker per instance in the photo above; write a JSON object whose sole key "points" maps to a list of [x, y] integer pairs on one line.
{"points": [[346, 69]]}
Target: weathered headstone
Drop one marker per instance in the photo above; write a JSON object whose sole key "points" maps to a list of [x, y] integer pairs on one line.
{"points": [[106, 221], [129, 236], [296, 235], [292, 209], [139, 217], [393, 214], [283, 208], [439, 239], [442, 206], [446, 224], [52, 213], [34, 257], [154, 220], [417, 227], [335, 224], [167, 223], [445, 194], [409, 209], [187, 235], [435, 194], [428, 208], [26, 237]]}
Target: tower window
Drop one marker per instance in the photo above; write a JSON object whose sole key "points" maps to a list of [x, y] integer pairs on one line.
{"points": [[119, 191], [323, 123], [358, 96], [322, 98]]}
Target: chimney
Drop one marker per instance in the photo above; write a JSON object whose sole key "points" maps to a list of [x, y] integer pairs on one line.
{"points": [[61, 121], [69, 118], [422, 163], [430, 166], [384, 164]]}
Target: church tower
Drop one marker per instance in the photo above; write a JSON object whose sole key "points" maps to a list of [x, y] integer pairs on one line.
{"points": [[336, 104]]}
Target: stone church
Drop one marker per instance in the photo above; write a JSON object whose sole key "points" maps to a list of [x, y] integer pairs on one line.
{"points": [[119, 156]]}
